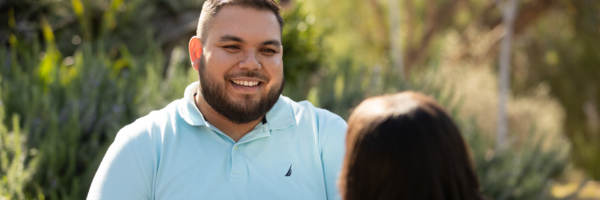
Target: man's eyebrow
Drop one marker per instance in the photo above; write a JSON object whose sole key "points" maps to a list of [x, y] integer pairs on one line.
{"points": [[272, 42], [226, 38]]}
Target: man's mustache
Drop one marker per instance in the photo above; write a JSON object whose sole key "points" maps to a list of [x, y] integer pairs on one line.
{"points": [[248, 74]]}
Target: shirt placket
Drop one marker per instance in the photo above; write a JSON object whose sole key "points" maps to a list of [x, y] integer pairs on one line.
{"points": [[238, 160], [238, 164]]}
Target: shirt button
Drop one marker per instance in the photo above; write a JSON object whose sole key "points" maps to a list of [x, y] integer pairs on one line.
{"points": [[235, 148]]}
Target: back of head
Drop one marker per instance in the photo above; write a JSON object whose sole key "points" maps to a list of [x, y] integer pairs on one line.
{"points": [[211, 7], [405, 146]]}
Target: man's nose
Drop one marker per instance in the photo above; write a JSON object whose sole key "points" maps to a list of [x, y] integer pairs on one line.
{"points": [[250, 62]]}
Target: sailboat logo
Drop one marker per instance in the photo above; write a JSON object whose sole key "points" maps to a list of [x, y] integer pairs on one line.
{"points": [[289, 173]]}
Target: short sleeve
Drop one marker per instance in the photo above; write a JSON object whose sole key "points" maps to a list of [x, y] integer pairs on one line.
{"points": [[332, 155], [126, 171]]}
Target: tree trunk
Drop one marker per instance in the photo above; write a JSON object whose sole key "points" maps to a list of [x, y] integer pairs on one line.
{"points": [[395, 38], [508, 18]]}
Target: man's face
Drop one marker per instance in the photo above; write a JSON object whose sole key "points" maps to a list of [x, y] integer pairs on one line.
{"points": [[241, 69]]}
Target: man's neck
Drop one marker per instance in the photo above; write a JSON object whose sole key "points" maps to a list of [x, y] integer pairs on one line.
{"points": [[233, 130]]}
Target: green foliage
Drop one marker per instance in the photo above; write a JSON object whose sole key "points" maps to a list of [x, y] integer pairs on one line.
{"points": [[65, 114], [522, 172], [18, 163], [568, 62], [73, 106], [113, 22], [302, 53], [75, 95]]}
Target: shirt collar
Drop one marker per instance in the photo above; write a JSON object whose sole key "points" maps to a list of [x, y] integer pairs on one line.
{"points": [[279, 117], [187, 107]]}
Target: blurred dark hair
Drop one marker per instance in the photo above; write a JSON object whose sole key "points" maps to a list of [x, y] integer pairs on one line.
{"points": [[405, 146], [211, 7]]}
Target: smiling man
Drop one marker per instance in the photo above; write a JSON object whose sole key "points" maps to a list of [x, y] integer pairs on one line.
{"points": [[232, 135]]}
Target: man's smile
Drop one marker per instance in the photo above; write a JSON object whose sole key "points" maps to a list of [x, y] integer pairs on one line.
{"points": [[246, 85]]}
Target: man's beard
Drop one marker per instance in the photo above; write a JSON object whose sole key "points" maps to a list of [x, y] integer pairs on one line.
{"points": [[239, 113]]}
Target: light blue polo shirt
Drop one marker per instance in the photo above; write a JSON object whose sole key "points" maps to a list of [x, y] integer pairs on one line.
{"points": [[174, 153]]}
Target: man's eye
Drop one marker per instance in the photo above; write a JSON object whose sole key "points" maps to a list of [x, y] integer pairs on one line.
{"points": [[231, 47], [269, 51]]}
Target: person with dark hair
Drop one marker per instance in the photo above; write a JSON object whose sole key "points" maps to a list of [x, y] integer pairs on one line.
{"points": [[232, 135], [405, 146]]}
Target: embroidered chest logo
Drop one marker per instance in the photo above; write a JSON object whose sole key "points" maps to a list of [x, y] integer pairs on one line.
{"points": [[289, 173]]}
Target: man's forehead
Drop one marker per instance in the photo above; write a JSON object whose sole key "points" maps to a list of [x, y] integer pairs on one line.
{"points": [[245, 23]]}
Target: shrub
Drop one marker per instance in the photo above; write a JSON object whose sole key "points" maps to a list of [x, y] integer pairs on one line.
{"points": [[72, 106], [521, 172], [17, 162]]}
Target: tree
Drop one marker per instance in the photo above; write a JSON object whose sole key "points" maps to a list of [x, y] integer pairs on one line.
{"points": [[509, 11]]}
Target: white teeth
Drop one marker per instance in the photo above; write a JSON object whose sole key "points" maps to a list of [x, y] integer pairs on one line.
{"points": [[246, 83]]}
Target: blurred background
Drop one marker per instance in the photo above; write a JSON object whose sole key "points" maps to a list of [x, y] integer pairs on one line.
{"points": [[73, 72]]}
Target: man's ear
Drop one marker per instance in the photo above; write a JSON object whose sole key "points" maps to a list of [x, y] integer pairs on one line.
{"points": [[195, 48]]}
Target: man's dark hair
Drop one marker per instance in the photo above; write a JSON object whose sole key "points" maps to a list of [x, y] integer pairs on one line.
{"points": [[212, 7], [405, 146]]}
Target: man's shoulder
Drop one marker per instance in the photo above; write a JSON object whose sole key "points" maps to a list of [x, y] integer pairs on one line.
{"points": [[304, 108], [330, 127], [152, 123]]}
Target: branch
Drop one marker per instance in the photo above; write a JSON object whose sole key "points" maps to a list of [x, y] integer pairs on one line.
{"points": [[527, 15], [174, 29], [416, 54], [380, 19], [500, 7]]}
